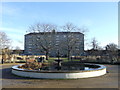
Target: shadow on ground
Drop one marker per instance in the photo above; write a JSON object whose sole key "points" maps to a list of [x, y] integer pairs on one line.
{"points": [[6, 74]]}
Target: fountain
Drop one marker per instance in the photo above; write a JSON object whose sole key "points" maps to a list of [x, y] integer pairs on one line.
{"points": [[67, 70]]}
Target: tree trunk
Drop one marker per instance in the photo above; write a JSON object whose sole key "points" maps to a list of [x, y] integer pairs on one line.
{"points": [[46, 54], [69, 56], [2, 61]]}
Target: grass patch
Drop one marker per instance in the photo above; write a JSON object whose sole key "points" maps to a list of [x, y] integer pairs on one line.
{"points": [[52, 59]]}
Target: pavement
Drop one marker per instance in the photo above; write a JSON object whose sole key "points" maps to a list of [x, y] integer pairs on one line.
{"points": [[109, 80]]}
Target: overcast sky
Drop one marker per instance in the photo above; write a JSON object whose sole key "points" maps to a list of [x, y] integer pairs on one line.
{"points": [[101, 18]]}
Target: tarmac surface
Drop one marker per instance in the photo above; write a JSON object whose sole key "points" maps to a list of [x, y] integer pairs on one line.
{"points": [[109, 80]]}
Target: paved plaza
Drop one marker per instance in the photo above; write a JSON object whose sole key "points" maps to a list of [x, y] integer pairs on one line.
{"points": [[110, 80]]}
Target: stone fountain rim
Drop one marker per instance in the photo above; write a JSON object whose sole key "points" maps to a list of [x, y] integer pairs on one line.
{"points": [[101, 67]]}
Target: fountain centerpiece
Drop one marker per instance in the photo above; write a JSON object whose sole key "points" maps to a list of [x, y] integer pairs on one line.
{"points": [[58, 62]]}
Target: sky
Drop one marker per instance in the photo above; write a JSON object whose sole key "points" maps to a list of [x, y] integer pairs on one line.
{"points": [[100, 18]]}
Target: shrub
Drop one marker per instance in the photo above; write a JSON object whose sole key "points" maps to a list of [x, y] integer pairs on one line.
{"points": [[34, 66]]}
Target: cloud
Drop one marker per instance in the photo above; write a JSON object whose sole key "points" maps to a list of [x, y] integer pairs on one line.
{"points": [[18, 44], [16, 35], [13, 30], [9, 10]]}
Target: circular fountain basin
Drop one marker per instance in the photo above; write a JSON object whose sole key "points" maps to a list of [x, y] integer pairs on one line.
{"points": [[61, 74]]}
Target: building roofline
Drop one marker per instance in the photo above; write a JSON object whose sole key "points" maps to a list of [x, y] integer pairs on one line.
{"points": [[34, 33]]}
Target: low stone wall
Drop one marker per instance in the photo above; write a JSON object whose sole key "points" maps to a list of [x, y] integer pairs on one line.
{"points": [[59, 74]]}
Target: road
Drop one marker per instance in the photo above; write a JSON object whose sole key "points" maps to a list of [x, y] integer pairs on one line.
{"points": [[109, 80]]}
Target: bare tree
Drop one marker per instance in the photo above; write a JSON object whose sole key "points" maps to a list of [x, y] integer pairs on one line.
{"points": [[44, 38], [17, 50], [44, 42], [4, 44], [112, 47], [94, 44], [96, 50], [6, 54], [112, 52], [4, 40], [71, 40]]}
